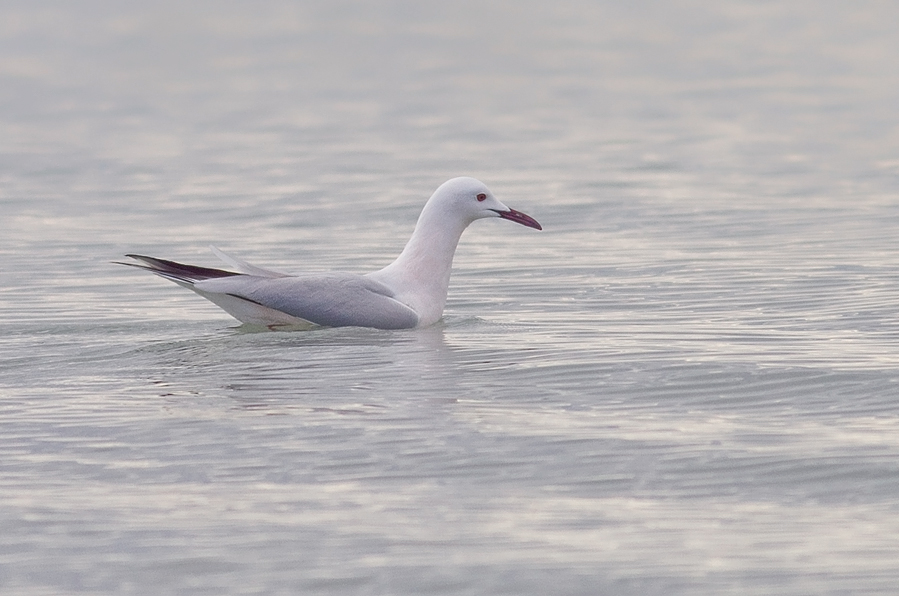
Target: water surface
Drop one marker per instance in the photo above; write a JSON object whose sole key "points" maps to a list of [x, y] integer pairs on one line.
{"points": [[686, 384]]}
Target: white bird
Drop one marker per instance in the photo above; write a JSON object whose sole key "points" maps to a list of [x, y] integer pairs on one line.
{"points": [[410, 292]]}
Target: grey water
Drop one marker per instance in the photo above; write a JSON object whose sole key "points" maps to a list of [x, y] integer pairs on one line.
{"points": [[687, 384]]}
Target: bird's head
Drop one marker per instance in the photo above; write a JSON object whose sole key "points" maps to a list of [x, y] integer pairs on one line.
{"points": [[470, 199]]}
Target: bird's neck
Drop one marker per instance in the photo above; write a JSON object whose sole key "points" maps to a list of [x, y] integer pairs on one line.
{"points": [[420, 275]]}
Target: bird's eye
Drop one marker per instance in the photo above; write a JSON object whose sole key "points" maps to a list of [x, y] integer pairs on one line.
{"points": [[482, 197]]}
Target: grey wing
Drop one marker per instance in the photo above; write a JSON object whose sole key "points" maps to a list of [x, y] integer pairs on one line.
{"points": [[331, 299]]}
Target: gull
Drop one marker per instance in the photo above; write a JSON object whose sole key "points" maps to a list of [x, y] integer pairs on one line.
{"points": [[409, 292]]}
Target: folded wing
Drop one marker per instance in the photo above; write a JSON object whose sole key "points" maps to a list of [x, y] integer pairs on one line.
{"points": [[329, 299], [263, 297]]}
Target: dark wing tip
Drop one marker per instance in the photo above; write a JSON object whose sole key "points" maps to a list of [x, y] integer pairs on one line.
{"points": [[172, 268]]}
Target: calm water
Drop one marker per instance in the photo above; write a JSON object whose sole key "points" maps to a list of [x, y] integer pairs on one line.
{"points": [[687, 384]]}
